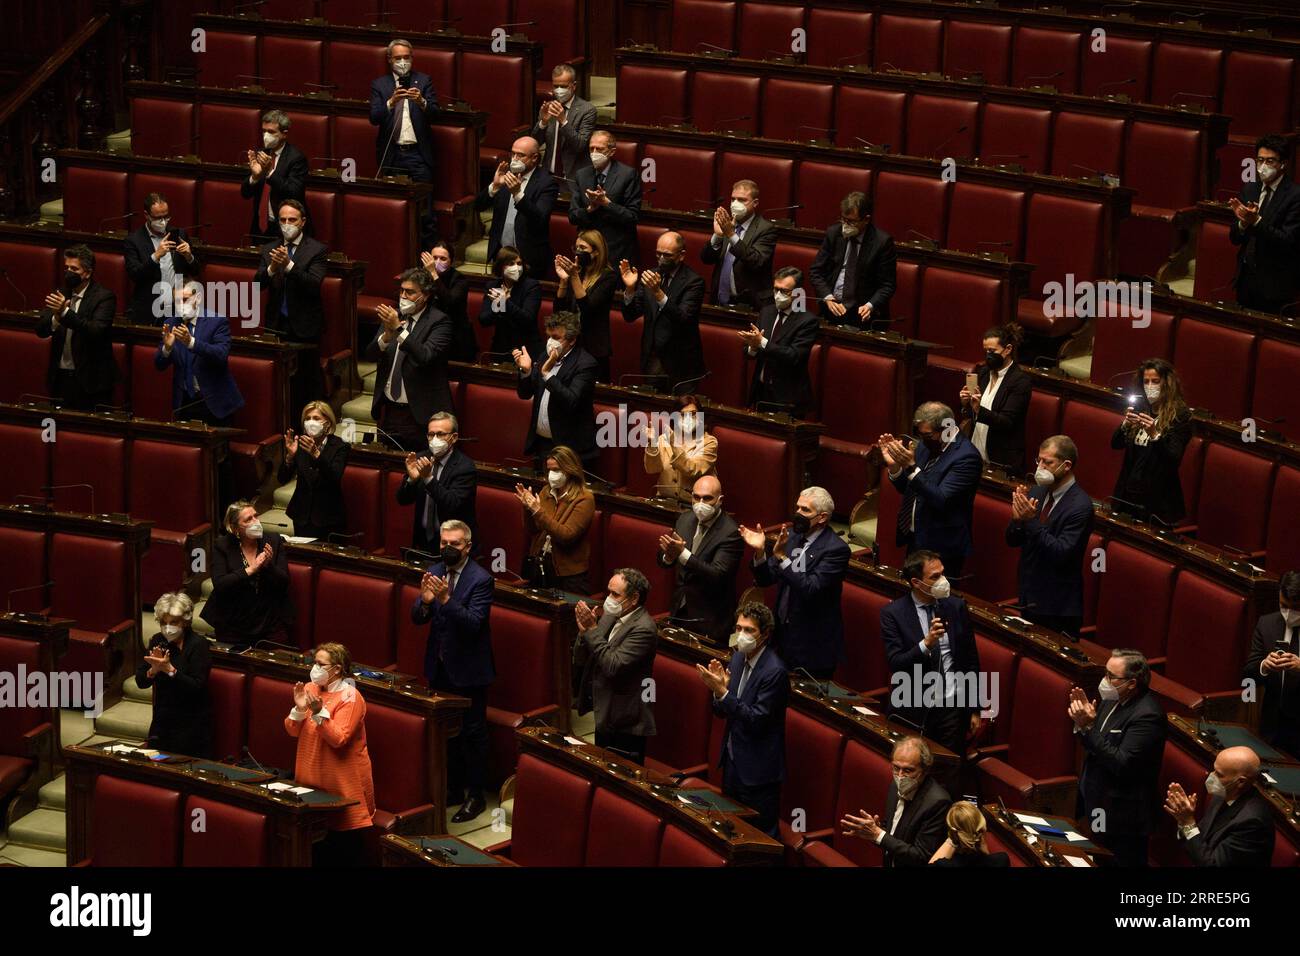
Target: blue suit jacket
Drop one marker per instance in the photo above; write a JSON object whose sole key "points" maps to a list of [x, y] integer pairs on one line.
{"points": [[205, 360], [755, 720], [460, 629], [811, 632], [945, 496], [1052, 554], [900, 631], [381, 116]]}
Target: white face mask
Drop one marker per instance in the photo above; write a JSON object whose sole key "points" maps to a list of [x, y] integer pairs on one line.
{"points": [[1268, 173], [270, 140], [745, 643], [906, 785], [782, 300], [1107, 690], [555, 479], [158, 226], [599, 160], [1152, 392], [554, 345], [513, 272], [254, 530], [319, 675], [402, 66], [1214, 786], [313, 427], [704, 511], [738, 209], [562, 93], [613, 605], [172, 631], [1292, 617], [1044, 478], [188, 309], [438, 446], [517, 166], [848, 231], [408, 306], [289, 231], [940, 589]]}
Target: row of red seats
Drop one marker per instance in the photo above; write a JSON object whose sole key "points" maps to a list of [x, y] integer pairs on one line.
{"points": [[27, 744]]}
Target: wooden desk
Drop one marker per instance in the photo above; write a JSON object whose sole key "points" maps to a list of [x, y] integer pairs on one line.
{"points": [[435, 850], [1045, 850]]}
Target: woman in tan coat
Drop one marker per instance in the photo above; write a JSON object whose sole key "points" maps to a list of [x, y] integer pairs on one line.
{"points": [[559, 520], [684, 456]]}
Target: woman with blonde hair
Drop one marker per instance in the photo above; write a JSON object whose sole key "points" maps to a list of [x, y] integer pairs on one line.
{"points": [[250, 600], [965, 843], [587, 286], [559, 519], [177, 667], [1154, 434], [316, 458]]}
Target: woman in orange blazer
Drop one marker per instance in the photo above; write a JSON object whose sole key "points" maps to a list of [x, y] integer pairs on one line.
{"points": [[559, 520]]}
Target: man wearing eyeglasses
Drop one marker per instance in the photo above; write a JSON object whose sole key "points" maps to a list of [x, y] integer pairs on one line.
{"points": [[1267, 232]]}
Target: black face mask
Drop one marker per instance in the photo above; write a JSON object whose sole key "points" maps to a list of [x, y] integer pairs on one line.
{"points": [[70, 281], [933, 442], [450, 556], [993, 360], [801, 523], [583, 259]]}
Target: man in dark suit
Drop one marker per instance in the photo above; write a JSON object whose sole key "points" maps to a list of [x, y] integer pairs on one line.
{"points": [[402, 102], [616, 652], [1275, 657], [1124, 740], [293, 267], [855, 272], [926, 633], [1237, 828], [705, 548], [197, 347], [916, 807], [158, 259], [79, 318], [1050, 524], [564, 125], [521, 197], [807, 563], [740, 250], [443, 485], [781, 342], [751, 693], [997, 407], [1267, 231], [276, 173], [937, 477], [411, 349], [456, 602], [669, 301], [562, 386], [607, 197]]}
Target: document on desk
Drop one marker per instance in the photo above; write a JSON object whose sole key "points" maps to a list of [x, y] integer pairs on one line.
{"points": [[121, 749], [1075, 837], [575, 741], [300, 790], [1078, 861], [865, 711], [1036, 821], [277, 786]]}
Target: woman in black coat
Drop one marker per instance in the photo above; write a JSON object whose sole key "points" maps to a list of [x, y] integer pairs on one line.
{"points": [[451, 297], [317, 458], [995, 410], [1154, 434], [965, 843], [515, 319], [587, 286], [177, 667], [250, 582]]}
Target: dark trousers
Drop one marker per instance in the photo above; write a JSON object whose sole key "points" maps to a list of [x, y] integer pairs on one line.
{"points": [[398, 421], [408, 162], [195, 409], [602, 369], [1248, 297], [467, 752], [631, 746], [341, 848], [765, 800], [574, 583], [1130, 851], [947, 726], [67, 389], [1069, 625]]}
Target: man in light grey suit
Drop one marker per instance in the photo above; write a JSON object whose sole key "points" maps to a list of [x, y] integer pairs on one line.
{"points": [[564, 126], [616, 653]]}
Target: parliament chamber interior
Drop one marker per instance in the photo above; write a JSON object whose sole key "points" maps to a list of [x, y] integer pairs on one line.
{"points": [[1083, 209]]}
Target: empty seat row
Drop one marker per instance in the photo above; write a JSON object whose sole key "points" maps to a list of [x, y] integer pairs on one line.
{"points": [[27, 743]]}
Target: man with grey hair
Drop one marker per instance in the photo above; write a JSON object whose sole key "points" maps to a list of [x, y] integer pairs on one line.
{"points": [[782, 343], [562, 384], [176, 667], [937, 474], [1123, 740], [916, 807], [276, 172], [564, 125], [402, 103], [807, 562], [442, 483]]}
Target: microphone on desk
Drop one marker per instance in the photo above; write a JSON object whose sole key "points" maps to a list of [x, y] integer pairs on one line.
{"points": [[508, 356], [649, 379], [828, 130], [90, 488], [732, 119], [252, 76], [1005, 243], [938, 150], [9, 597], [22, 295], [681, 622], [187, 144], [773, 408], [1173, 100], [284, 647], [347, 537], [248, 755], [445, 22], [853, 56], [379, 431], [679, 389], [1132, 80], [176, 412], [114, 219], [822, 691], [963, 73], [1033, 80], [114, 409], [331, 86], [603, 481], [871, 145], [249, 3], [430, 558], [715, 48], [676, 120], [1138, 512], [47, 399], [797, 205], [981, 159], [922, 236], [195, 227]]}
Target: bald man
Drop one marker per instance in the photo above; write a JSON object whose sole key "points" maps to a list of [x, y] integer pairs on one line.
{"points": [[521, 196], [668, 298], [1237, 827], [706, 548]]}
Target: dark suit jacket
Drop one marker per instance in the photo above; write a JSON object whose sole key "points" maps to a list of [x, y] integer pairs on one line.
{"points": [[318, 496], [246, 609], [532, 221], [752, 270], [1052, 554], [594, 309], [92, 349], [1149, 476], [614, 673], [301, 285], [460, 631], [1240, 835], [386, 119], [206, 359], [424, 365], [1122, 765], [704, 600], [515, 326], [146, 272], [1280, 701], [1005, 441], [900, 630], [451, 296], [785, 361], [945, 497], [289, 181], [617, 221], [571, 409], [923, 826], [182, 715], [452, 497], [874, 278], [1267, 271], [755, 720], [809, 620], [671, 331], [574, 137]]}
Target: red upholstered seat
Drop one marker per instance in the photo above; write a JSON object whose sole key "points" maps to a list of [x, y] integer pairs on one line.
{"points": [[22, 566], [914, 44], [998, 561], [863, 785], [813, 751], [1275, 364], [353, 66], [27, 469], [865, 667], [1000, 661], [1244, 76], [366, 216], [558, 27], [1124, 67], [399, 756], [621, 833], [681, 738], [93, 199], [499, 84], [110, 272], [151, 390], [31, 267], [911, 207], [1176, 766], [362, 490], [231, 836], [311, 134], [1016, 135], [684, 179], [729, 381], [1215, 362], [228, 212], [500, 525], [651, 95], [356, 610], [679, 848], [262, 414], [1091, 427], [904, 307], [302, 582], [288, 9], [354, 138], [1209, 631], [292, 65], [81, 459], [627, 541], [1216, 263], [20, 726], [1118, 347], [742, 454], [987, 219], [983, 48], [724, 101], [941, 126], [1190, 472], [994, 844], [479, 17], [1092, 580], [181, 191], [1163, 163], [1234, 503], [1043, 418], [161, 127], [525, 685], [1063, 235], [1281, 540], [269, 702], [170, 487], [552, 807], [230, 60], [839, 37], [708, 22], [121, 810], [227, 692], [821, 187], [1123, 622], [858, 392], [1185, 74], [226, 134], [767, 29], [498, 421], [873, 116], [1085, 144], [1047, 58], [956, 307], [774, 175], [797, 110]]}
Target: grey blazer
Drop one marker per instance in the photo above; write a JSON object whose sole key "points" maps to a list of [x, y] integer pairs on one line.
{"points": [[575, 137], [614, 673]]}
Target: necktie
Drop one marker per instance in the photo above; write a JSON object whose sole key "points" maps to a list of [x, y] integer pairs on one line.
{"points": [[1264, 196], [67, 361], [844, 288], [728, 264], [700, 531], [744, 678], [1047, 508], [555, 147], [430, 511], [291, 248], [267, 216], [776, 328], [600, 180]]}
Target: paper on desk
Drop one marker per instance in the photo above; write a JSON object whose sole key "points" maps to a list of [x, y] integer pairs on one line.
{"points": [[298, 539], [148, 753], [1036, 821], [1020, 620], [867, 711], [1077, 861], [1075, 837], [277, 785], [575, 741], [300, 789], [1270, 779], [121, 749]]}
